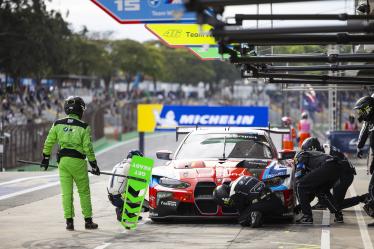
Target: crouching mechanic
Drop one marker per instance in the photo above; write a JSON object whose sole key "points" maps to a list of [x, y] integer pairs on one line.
{"points": [[346, 178], [316, 173], [74, 139], [117, 185], [365, 112], [252, 199]]}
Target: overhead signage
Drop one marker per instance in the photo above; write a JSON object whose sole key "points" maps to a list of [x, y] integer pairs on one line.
{"points": [[146, 11], [209, 53], [159, 117], [180, 35]]}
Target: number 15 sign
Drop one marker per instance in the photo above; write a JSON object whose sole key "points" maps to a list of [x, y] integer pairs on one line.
{"points": [[146, 11]]}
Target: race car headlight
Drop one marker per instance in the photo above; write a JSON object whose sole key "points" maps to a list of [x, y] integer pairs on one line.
{"points": [[162, 195], [274, 182], [172, 183]]}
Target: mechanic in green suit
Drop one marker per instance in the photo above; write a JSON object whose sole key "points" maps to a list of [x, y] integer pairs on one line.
{"points": [[74, 139]]}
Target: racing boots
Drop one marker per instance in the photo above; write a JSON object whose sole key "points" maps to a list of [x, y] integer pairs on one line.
{"points": [[70, 224], [305, 219], [256, 219], [89, 224], [339, 217]]}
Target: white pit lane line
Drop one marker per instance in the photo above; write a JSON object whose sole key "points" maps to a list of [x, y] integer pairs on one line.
{"points": [[366, 240], [325, 235], [103, 246], [27, 178], [52, 184]]}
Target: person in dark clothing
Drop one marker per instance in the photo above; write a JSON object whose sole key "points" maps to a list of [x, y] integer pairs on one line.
{"points": [[252, 199], [341, 186], [365, 112], [316, 173]]}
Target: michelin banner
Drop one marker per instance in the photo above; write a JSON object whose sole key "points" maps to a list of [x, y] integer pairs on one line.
{"points": [[157, 117]]}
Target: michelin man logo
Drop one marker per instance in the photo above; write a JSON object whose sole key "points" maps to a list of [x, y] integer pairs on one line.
{"points": [[167, 122], [154, 3]]}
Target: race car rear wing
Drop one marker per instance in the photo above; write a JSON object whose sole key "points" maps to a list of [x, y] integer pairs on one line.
{"points": [[183, 130]]}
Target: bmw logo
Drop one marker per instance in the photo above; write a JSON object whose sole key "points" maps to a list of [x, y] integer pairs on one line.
{"points": [[154, 3]]}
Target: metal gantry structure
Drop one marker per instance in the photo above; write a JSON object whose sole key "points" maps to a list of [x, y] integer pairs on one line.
{"points": [[329, 74]]}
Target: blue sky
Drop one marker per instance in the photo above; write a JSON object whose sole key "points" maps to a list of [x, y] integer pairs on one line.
{"points": [[85, 13]]}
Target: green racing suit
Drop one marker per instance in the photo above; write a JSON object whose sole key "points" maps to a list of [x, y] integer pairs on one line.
{"points": [[75, 144]]}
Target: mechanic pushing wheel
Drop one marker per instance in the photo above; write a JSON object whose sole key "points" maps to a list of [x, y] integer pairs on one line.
{"points": [[74, 139], [365, 112], [252, 199]]}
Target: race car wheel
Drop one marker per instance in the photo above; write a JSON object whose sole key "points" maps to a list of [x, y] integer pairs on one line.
{"points": [[256, 219]]}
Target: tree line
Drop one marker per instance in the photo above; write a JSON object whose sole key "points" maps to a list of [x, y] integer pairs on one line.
{"points": [[38, 43]]}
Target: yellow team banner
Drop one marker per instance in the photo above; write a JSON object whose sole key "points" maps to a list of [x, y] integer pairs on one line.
{"points": [[183, 34]]}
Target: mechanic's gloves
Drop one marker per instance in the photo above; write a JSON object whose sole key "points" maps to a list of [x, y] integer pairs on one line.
{"points": [[45, 162], [95, 168], [360, 153]]}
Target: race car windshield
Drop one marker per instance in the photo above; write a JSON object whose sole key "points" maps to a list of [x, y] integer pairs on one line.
{"points": [[231, 145]]}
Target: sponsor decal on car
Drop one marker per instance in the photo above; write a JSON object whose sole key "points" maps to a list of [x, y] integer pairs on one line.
{"points": [[168, 203]]}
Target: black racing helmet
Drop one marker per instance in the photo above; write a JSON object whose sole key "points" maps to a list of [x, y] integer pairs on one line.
{"points": [[299, 156], [247, 185], [312, 143], [134, 153], [74, 105], [221, 194], [365, 108]]}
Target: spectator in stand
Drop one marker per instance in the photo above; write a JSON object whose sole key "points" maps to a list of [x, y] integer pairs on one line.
{"points": [[351, 124]]}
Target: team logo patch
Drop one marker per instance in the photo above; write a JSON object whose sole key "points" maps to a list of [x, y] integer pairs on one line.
{"points": [[66, 129], [154, 3]]}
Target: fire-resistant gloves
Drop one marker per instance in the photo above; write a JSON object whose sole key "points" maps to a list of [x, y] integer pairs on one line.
{"points": [[95, 168], [45, 162]]}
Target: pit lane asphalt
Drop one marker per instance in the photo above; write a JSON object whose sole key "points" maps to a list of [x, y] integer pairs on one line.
{"points": [[35, 220]]}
